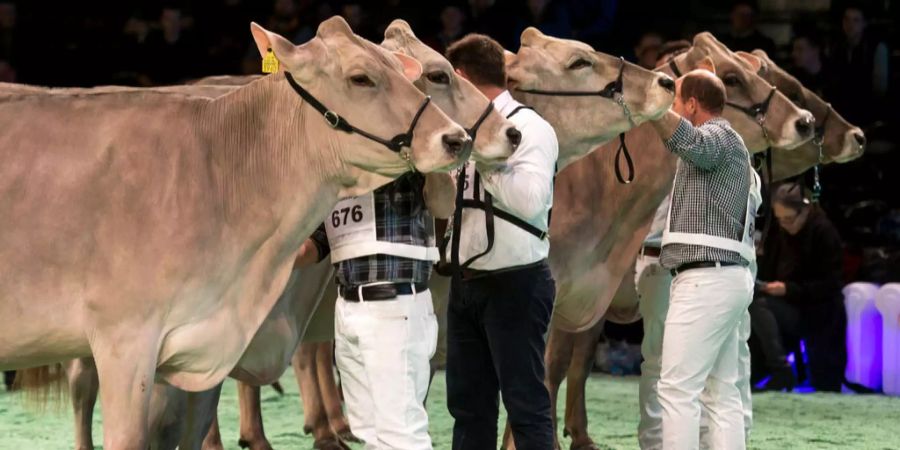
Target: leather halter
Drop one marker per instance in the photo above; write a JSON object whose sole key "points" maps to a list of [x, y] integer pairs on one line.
{"points": [[614, 91], [819, 142], [757, 112], [474, 130], [337, 122]]}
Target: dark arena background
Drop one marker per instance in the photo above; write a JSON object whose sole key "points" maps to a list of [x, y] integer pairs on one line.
{"points": [[846, 52]]}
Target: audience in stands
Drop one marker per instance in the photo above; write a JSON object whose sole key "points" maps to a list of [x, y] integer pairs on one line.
{"points": [[744, 36], [807, 62], [453, 27], [646, 51], [859, 59], [799, 293], [7, 39]]}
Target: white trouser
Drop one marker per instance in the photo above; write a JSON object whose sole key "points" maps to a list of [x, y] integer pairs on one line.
{"points": [[653, 283], [700, 350], [383, 350]]}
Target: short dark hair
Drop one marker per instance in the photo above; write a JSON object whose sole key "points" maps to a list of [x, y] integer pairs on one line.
{"points": [[791, 195], [709, 91], [481, 58], [749, 3], [671, 49]]}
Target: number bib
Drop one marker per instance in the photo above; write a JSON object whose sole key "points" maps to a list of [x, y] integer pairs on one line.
{"points": [[352, 220], [352, 234]]}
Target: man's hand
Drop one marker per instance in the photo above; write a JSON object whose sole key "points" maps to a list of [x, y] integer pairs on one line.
{"points": [[775, 289], [666, 125], [307, 255]]}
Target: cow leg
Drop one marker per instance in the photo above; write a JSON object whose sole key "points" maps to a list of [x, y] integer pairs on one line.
{"points": [[168, 415], [560, 346], [331, 396], [126, 366], [199, 417], [252, 434], [576, 421], [9, 377], [304, 364], [213, 439], [314, 416], [83, 386]]}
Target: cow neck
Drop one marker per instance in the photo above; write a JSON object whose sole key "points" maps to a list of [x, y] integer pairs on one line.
{"points": [[260, 140]]}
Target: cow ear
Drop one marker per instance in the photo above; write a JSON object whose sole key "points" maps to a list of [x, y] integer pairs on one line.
{"points": [[508, 57], [707, 64], [412, 68], [266, 40], [753, 61]]}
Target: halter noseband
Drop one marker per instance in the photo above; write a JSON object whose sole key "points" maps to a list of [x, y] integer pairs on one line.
{"points": [[614, 91], [337, 122], [474, 130]]}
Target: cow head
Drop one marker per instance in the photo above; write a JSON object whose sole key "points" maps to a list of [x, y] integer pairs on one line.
{"points": [[495, 137], [549, 65], [841, 141], [372, 90], [779, 124]]}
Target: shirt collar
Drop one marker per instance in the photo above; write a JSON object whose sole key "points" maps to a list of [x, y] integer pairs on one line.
{"points": [[503, 101]]}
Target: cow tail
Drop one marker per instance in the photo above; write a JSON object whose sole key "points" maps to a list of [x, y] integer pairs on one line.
{"points": [[43, 386]]}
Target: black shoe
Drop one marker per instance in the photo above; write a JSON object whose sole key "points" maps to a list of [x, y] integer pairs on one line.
{"points": [[782, 380]]}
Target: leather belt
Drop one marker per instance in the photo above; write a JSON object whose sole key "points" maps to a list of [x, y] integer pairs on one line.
{"points": [[652, 252], [380, 292], [701, 265], [469, 274]]}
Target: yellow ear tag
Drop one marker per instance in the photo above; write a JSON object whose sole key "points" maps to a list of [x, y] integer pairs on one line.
{"points": [[270, 62]]}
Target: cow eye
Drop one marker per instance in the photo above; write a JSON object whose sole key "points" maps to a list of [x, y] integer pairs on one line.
{"points": [[362, 81], [579, 63], [731, 80], [438, 77]]}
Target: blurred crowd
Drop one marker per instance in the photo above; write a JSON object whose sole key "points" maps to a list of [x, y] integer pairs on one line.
{"points": [[843, 51]]}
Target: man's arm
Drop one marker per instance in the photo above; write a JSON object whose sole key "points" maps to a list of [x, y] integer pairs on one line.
{"points": [[694, 144], [440, 194], [524, 185], [314, 249]]}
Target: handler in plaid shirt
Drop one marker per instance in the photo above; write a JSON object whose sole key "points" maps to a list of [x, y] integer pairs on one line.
{"points": [[383, 245], [708, 245]]}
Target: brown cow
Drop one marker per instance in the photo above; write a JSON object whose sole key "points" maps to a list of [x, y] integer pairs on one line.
{"points": [[139, 225]]}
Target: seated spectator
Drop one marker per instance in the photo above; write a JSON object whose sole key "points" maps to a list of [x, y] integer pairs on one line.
{"points": [[646, 51], [490, 18], [858, 59], [453, 22], [808, 66], [744, 36], [799, 293]]}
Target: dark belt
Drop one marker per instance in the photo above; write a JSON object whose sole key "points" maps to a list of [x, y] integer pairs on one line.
{"points": [[469, 274], [653, 252], [380, 292], [701, 265]]}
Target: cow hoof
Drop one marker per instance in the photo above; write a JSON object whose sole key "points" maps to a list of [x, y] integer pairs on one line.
{"points": [[307, 429], [566, 432], [348, 436], [255, 445], [330, 443], [589, 446], [277, 386]]}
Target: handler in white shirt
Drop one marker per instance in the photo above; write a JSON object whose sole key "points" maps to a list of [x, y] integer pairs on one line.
{"points": [[502, 294]]}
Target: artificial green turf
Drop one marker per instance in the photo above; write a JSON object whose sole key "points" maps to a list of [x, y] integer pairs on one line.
{"points": [[794, 422]]}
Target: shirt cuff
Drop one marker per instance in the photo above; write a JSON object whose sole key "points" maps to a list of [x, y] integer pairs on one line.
{"points": [[679, 136]]}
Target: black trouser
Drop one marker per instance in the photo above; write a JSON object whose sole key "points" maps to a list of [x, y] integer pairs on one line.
{"points": [[495, 343], [822, 326]]}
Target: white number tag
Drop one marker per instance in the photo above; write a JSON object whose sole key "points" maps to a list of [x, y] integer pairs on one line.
{"points": [[351, 219]]}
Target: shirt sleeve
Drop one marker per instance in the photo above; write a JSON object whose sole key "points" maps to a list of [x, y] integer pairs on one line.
{"points": [[702, 146], [319, 238], [525, 184]]}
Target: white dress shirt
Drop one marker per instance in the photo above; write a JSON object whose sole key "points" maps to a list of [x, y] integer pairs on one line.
{"points": [[654, 236], [523, 187]]}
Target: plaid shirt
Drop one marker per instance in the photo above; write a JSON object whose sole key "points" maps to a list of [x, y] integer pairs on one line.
{"points": [[712, 185], [400, 216]]}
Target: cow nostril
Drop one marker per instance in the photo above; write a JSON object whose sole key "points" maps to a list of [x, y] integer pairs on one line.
{"points": [[860, 139], [804, 126], [515, 137], [453, 144], [667, 84]]}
